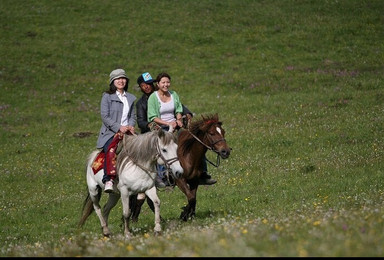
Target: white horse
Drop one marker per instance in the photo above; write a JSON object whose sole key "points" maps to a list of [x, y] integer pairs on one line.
{"points": [[136, 168]]}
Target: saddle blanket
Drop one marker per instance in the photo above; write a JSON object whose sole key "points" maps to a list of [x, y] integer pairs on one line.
{"points": [[98, 163]]}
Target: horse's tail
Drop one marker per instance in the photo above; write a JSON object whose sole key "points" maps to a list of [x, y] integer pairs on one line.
{"points": [[88, 207]]}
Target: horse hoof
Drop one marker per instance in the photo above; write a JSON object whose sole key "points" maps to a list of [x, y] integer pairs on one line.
{"points": [[158, 233], [183, 217], [106, 232]]}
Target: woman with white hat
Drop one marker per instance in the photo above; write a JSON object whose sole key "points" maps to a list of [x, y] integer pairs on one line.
{"points": [[118, 118]]}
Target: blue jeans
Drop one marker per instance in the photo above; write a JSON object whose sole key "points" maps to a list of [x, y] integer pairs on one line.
{"points": [[161, 170]]}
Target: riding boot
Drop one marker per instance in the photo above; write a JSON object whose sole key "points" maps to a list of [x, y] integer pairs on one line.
{"points": [[206, 179]]}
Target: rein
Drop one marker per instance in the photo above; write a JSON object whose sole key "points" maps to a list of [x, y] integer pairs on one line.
{"points": [[167, 163], [209, 148], [138, 164]]}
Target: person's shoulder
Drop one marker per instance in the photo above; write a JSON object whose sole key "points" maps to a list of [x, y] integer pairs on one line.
{"points": [[111, 95], [131, 95], [152, 95], [105, 95], [174, 93], [141, 100]]}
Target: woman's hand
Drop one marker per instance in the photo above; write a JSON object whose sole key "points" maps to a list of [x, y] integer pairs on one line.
{"points": [[127, 129], [131, 130], [179, 122], [173, 124]]}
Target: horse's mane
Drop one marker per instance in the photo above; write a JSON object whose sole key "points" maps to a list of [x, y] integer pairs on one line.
{"points": [[204, 123], [141, 148], [199, 128]]}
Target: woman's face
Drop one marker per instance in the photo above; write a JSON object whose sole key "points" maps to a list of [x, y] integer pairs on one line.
{"points": [[164, 84], [120, 83]]}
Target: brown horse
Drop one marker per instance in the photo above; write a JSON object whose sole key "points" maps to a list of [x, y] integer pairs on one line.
{"points": [[193, 143]]}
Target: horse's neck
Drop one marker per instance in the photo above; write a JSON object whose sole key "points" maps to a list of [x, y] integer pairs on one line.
{"points": [[199, 149], [145, 165]]}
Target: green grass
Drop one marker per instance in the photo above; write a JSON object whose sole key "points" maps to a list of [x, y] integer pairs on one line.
{"points": [[297, 85]]}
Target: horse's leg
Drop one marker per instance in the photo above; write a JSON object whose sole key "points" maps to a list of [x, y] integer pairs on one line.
{"points": [[152, 195], [112, 201], [126, 210], [137, 203], [190, 192], [95, 195], [87, 210], [151, 205], [192, 202]]}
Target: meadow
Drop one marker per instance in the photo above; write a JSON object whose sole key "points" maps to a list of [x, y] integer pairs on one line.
{"points": [[296, 83]]}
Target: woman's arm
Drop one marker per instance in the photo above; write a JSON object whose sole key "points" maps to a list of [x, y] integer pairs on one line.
{"points": [[153, 107], [105, 112]]}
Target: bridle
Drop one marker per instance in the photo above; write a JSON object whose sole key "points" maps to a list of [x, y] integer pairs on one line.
{"points": [[168, 162], [211, 148], [158, 154]]}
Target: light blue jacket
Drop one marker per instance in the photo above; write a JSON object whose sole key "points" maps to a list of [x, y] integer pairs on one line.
{"points": [[111, 110]]}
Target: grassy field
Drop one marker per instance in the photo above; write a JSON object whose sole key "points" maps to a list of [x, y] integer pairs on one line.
{"points": [[297, 84]]}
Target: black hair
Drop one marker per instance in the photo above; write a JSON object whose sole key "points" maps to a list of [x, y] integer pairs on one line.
{"points": [[112, 88], [162, 75]]}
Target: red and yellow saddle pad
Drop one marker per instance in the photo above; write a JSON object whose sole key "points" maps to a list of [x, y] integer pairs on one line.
{"points": [[98, 163]]}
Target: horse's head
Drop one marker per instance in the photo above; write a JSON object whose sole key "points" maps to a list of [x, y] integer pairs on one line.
{"points": [[215, 135], [167, 150]]}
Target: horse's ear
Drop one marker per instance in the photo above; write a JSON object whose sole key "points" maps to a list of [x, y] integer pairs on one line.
{"points": [[216, 116], [160, 133]]}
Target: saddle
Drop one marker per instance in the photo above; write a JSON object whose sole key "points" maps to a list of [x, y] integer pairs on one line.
{"points": [[98, 163]]}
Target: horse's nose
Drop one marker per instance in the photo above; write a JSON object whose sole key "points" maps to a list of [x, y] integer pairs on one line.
{"points": [[225, 153], [178, 174], [178, 171]]}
